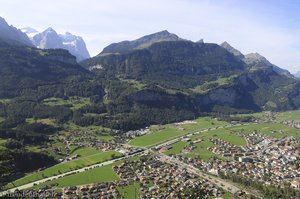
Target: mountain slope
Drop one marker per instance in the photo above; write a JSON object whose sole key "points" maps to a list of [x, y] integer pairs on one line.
{"points": [[29, 76], [232, 50], [177, 64], [12, 35], [143, 42], [211, 78], [34, 67], [75, 45], [163, 82], [47, 39], [257, 60], [50, 39]]}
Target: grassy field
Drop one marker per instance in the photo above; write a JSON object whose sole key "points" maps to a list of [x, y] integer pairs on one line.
{"points": [[227, 195], [85, 151], [81, 162], [134, 83], [176, 148], [130, 192], [97, 175], [169, 131], [224, 134], [75, 102], [273, 129], [257, 115], [47, 121], [99, 131], [5, 100], [2, 142], [207, 86], [288, 115], [201, 150]]}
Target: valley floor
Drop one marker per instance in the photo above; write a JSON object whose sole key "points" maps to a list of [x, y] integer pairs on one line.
{"points": [[223, 158]]}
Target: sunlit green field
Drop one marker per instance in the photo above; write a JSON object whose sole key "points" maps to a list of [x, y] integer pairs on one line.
{"points": [[223, 134], [84, 160], [5, 100], [288, 115], [273, 129], [170, 131], [201, 150], [97, 175], [207, 86], [47, 121], [130, 192], [74, 102], [85, 151], [176, 148], [227, 195], [2, 144]]}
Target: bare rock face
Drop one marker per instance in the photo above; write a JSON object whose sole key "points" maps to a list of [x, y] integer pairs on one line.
{"points": [[62, 56], [223, 96], [13, 35], [75, 45], [50, 39], [232, 50], [143, 42]]}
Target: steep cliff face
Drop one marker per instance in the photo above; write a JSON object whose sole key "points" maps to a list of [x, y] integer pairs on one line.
{"points": [[206, 75], [12, 35], [143, 42], [50, 39], [24, 68], [61, 56]]}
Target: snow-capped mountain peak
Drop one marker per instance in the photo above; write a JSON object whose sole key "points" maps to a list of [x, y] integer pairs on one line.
{"points": [[49, 38], [31, 32]]}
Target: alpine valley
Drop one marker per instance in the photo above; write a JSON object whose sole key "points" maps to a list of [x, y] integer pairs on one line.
{"points": [[48, 97]]}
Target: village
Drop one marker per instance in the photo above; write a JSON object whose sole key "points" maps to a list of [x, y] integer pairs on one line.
{"points": [[161, 180], [152, 179], [270, 158], [265, 159]]}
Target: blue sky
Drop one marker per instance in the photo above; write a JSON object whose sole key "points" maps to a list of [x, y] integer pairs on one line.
{"points": [[269, 27]]}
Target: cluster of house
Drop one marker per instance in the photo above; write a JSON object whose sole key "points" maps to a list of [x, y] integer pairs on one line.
{"points": [[151, 178], [254, 138], [105, 190], [277, 164], [105, 145], [161, 180], [140, 132], [70, 158], [293, 123], [226, 149]]}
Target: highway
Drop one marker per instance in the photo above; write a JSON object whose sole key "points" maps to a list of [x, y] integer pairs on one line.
{"points": [[31, 184], [215, 180]]}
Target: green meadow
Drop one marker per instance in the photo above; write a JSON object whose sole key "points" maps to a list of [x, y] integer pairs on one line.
{"points": [[288, 115], [83, 161], [176, 148], [96, 175], [170, 131]]}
